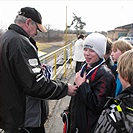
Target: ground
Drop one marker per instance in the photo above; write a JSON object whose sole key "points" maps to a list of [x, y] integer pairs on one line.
{"points": [[42, 46]]}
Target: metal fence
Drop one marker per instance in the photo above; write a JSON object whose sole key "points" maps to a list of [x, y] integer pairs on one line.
{"points": [[59, 60]]}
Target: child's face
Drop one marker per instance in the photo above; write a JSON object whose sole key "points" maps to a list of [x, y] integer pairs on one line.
{"points": [[90, 56], [124, 82], [116, 54]]}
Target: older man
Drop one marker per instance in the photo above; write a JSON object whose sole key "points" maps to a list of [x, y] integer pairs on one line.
{"points": [[23, 86]]}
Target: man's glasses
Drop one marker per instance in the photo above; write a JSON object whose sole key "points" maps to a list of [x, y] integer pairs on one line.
{"points": [[37, 27]]}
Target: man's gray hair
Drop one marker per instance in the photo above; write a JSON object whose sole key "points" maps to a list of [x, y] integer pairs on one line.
{"points": [[21, 19]]}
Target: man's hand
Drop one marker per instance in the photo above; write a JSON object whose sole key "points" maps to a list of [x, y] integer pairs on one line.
{"points": [[71, 90]]}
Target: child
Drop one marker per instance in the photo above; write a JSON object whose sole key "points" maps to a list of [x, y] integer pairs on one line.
{"points": [[118, 114], [107, 56], [95, 84], [118, 48]]}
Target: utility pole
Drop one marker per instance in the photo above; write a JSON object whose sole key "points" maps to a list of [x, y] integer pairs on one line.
{"points": [[65, 51], [66, 28]]}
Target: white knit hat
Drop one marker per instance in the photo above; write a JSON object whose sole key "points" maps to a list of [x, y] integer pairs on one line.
{"points": [[96, 42]]}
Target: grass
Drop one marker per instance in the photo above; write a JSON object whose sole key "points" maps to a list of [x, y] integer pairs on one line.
{"points": [[42, 46], [45, 45]]}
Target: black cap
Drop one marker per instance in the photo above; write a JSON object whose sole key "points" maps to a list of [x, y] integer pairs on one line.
{"points": [[34, 15]]}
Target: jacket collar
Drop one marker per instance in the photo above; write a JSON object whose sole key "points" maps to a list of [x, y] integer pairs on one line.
{"points": [[128, 90], [92, 68], [19, 30]]}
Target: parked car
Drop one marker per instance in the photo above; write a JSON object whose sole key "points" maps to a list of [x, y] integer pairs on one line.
{"points": [[129, 39]]}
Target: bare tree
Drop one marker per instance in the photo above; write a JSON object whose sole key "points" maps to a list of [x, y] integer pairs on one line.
{"points": [[50, 36], [78, 24], [48, 26]]}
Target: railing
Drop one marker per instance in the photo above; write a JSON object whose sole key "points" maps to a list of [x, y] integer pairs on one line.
{"points": [[59, 59]]}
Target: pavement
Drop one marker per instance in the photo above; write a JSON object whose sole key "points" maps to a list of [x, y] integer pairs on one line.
{"points": [[54, 123]]}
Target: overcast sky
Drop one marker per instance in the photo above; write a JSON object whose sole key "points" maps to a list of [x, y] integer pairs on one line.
{"points": [[98, 15]]}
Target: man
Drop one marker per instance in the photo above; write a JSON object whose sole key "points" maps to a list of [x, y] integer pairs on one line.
{"points": [[23, 86], [78, 56]]}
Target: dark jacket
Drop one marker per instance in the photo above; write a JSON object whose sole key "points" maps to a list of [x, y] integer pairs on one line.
{"points": [[117, 114], [87, 104], [21, 75]]}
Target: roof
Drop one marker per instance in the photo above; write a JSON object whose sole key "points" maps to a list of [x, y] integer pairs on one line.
{"points": [[125, 26]]}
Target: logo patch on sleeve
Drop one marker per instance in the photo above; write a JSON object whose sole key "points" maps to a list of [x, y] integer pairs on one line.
{"points": [[33, 62]]}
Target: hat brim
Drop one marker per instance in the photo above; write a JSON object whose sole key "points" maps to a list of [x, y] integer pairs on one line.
{"points": [[41, 27]]}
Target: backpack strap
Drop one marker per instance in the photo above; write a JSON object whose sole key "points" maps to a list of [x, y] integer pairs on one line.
{"points": [[126, 113], [117, 115]]}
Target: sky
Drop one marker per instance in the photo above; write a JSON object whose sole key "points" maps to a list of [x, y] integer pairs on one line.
{"points": [[97, 14]]}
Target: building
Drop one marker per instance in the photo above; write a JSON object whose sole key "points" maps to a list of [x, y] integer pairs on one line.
{"points": [[125, 30]]}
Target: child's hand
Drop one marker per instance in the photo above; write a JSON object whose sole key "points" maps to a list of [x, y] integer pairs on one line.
{"points": [[78, 79]]}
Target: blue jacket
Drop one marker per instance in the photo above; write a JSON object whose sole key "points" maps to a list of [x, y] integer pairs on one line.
{"points": [[118, 83], [118, 86]]}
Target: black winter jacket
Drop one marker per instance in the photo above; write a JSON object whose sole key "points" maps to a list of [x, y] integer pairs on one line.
{"points": [[117, 114], [87, 104], [21, 75]]}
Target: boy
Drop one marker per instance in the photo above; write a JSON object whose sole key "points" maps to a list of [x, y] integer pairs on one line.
{"points": [[118, 115], [107, 56], [118, 48], [95, 84]]}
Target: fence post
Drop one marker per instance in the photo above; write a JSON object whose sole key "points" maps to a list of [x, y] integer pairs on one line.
{"points": [[65, 62], [55, 66], [71, 55]]}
